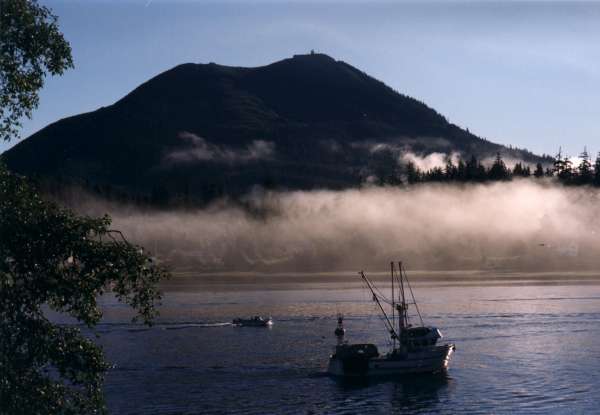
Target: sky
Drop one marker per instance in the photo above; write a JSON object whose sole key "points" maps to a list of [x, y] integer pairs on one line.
{"points": [[520, 73]]}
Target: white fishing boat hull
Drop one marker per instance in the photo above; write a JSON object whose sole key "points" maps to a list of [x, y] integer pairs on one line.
{"points": [[430, 360]]}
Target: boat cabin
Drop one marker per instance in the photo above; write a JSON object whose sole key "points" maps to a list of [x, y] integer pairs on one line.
{"points": [[347, 351], [420, 336]]}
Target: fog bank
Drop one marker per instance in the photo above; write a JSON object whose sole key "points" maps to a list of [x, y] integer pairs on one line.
{"points": [[519, 225]]}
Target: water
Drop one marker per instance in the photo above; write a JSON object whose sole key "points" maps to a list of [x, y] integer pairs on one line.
{"points": [[521, 348]]}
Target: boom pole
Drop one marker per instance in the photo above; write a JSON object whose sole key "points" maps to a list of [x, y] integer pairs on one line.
{"points": [[376, 299]]}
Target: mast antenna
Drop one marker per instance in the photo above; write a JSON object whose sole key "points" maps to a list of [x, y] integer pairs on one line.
{"points": [[411, 293]]}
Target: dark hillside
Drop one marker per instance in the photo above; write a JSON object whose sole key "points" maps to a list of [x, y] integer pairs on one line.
{"points": [[200, 130]]}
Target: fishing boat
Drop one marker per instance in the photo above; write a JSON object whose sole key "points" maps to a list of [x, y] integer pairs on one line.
{"points": [[256, 321], [415, 348]]}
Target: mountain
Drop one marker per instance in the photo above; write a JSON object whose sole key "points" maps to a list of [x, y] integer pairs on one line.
{"points": [[201, 130]]}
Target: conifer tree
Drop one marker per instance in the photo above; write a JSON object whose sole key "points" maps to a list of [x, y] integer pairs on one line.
{"points": [[481, 173], [436, 174], [471, 168], [539, 171], [498, 171], [461, 171], [597, 171], [450, 170], [584, 170], [566, 173], [413, 174], [558, 164], [522, 171], [518, 170]]}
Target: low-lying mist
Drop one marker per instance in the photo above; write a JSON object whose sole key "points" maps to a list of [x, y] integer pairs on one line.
{"points": [[528, 225]]}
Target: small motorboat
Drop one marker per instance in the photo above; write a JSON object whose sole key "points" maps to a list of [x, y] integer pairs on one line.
{"points": [[256, 321], [415, 349]]}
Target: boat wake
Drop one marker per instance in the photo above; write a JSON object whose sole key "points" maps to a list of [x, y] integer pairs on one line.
{"points": [[133, 328], [193, 325]]}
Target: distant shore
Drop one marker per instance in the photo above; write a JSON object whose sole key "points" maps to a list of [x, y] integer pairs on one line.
{"points": [[190, 280]]}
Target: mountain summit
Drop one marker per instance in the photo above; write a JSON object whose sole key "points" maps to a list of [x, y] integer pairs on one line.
{"points": [[202, 130]]}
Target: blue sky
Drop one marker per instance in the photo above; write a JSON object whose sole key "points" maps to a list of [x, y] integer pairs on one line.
{"points": [[520, 73]]}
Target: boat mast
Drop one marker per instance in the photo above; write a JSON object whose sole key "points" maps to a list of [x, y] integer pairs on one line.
{"points": [[403, 273], [402, 315], [393, 305], [389, 325]]}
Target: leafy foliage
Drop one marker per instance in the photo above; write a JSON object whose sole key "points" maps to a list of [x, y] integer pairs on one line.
{"points": [[31, 45], [54, 260]]}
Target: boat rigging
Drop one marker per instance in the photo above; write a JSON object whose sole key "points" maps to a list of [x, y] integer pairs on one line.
{"points": [[414, 348]]}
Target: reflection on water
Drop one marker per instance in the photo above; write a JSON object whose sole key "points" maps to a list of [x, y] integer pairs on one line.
{"points": [[525, 348], [416, 393]]}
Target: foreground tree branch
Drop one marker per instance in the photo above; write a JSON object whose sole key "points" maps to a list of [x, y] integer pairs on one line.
{"points": [[31, 46], [53, 259]]}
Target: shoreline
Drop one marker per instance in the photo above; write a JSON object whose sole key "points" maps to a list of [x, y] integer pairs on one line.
{"points": [[347, 279]]}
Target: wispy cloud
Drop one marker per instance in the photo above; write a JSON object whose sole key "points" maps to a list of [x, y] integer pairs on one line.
{"points": [[429, 161], [199, 149]]}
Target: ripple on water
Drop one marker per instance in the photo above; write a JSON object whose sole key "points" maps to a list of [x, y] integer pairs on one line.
{"points": [[517, 355]]}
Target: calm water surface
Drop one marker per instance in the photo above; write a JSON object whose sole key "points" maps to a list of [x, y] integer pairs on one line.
{"points": [[520, 349]]}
